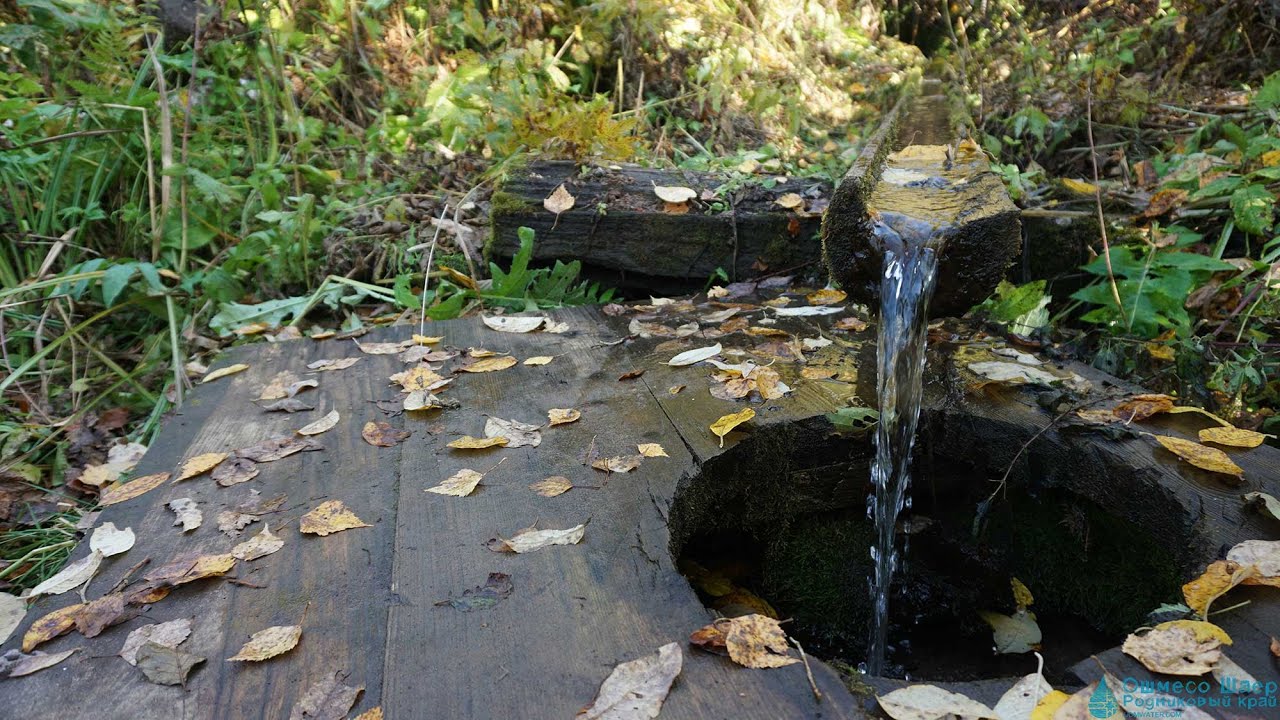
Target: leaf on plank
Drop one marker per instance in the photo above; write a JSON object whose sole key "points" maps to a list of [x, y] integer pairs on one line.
{"points": [[929, 702], [562, 416], [328, 699], [224, 372], [276, 448], [518, 434], [513, 324], [552, 486], [70, 577], [539, 360], [165, 665], [489, 364], [200, 464], [324, 424], [235, 471], [38, 661], [466, 442], [725, 424], [330, 517], [1233, 437], [260, 545], [191, 567], [188, 513], [50, 626], [133, 488], [651, 450], [530, 540], [559, 200], [167, 634], [1202, 456], [497, 587], [287, 405], [636, 689], [383, 434], [331, 365], [110, 540], [460, 484], [268, 643]]}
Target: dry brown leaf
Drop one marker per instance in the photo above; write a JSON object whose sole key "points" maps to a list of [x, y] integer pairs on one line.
{"points": [[1141, 407], [382, 434], [817, 373], [268, 643], [630, 375], [767, 332], [466, 442], [330, 517], [562, 416], [223, 372], [50, 626], [651, 450], [102, 613], [191, 567], [539, 360], [165, 665], [769, 383], [331, 365], [326, 700], [285, 385], [133, 488], [324, 424], [460, 484], [71, 576], [636, 689], [235, 471], [287, 405], [1164, 201], [1233, 437], [38, 661], [518, 434], [373, 713], [188, 512], [727, 423], [260, 545], [490, 364], [619, 464], [200, 464], [850, 324], [1174, 649], [1202, 456], [168, 634], [552, 486], [559, 200], [827, 296], [383, 348], [529, 540], [417, 378], [276, 448], [755, 641]]}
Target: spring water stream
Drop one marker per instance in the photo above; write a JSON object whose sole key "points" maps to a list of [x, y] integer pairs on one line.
{"points": [[910, 268]]}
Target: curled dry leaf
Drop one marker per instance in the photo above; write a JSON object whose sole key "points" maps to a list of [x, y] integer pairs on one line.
{"points": [[1269, 503], [529, 540], [727, 423], [235, 471], [1141, 407], [110, 540], [133, 488], [790, 201], [285, 385], [513, 324], [490, 364], [1202, 456], [651, 450], [1176, 648], [324, 424], [696, 355], [268, 643], [382, 434], [191, 567], [562, 416], [330, 517], [631, 375], [460, 484], [287, 405], [188, 512], [1261, 555], [850, 324], [552, 486], [1012, 372], [223, 372], [71, 576], [518, 434], [276, 448], [929, 702], [326, 700], [636, 689], [559, 200], [755, 641], [167, 634], [260, 545], [619, 464], [466, 442], [50, 626], [1233, 437], [200, 464], [102, 613], [382, 348], [1215, 581]]}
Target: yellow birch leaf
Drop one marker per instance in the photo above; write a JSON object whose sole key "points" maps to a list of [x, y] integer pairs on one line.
{"points": [[200, 464], [50, 626], [727, 423], [1203, 631], [1199, 411], [1021, 593], [1206, 458], [652, 450], [460, 484], [490, 364], [330, 517], [826, 296], [466, 442], [1216, 580], [552, 486], [562, 416], [427, 339], [1049, 705], [223, 372], [559, 200], [1079, 187], [1232, 436], [418, 378], [539, 360], [133, 488], [268, 643]]}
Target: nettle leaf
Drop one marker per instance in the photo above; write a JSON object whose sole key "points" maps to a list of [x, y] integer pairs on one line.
{"points": [[1217, 188], [115, 280], [1254, 207], [1269, 95]]}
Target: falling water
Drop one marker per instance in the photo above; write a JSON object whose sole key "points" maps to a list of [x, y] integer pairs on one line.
{"points": [[905, 288]]}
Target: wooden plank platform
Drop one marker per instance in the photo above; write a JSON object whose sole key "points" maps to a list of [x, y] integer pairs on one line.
{"points": [[366, 598]]}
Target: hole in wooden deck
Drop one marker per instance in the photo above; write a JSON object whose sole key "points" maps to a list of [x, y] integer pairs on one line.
{"points": [[779, 521]]}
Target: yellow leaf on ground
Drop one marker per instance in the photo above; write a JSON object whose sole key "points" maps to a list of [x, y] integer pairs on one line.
{"points": [[1232, 436], [728, 422], [1049, 705], [190, 567], [559, 200], [466, 442], [418, 378], [652, 450], [539, 360], [427, 339], [490, 364], [324, 424], [1203, 631], [1141, 407], [50, 626], [827, 296], [200, 464], [674, 194], [382, 434], [562, 416], [268, 643], [790, 201], [552, 486], [223, 372], [1204, 457], [755, 641], [330, 517], [460, 484], [260, 545], [1199, 411], [1176, 649], [1216, 580], [1080, 187], [767, 332], [133, 488]]}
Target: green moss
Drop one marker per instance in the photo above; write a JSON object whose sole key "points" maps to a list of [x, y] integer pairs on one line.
{"points": [[817, 574], [505, 203]]}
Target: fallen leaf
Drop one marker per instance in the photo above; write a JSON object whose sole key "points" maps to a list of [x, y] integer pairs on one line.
{"points": [[324, 424], [675, 389], [330, 517], [490, 364], [235, 471], [1202, 456], [1234, 679], [110, 540], [769, 383], [326, 700], [697, 355], [38, 661], [331, 365], [727, 423], [13, 609], [466, 442], [231, 523], [382, 434], [817, 373], [1275, 647], [513, 324], [1263, 556], [287, 405], [518, 434], [1022, 596], [50, 626], [636, 689], [1020, 700], [167, 634], [674, 194], [191, 567], [562, 416], [1164, 201], [1048, 705], [69, 577], [460, 484], [1267, 502], [102, 613], [1174, 650], [286, 385], [268, 643], [826, 296], [559, 200], [630, 375], [1080, 187], [651, 450], [1233, 437], [382, 348], [133, 488], [1012, 372], [166, 665], [808, 310], [416, 378], [529, 540], [850, 324], [223, 372], [189, 515], [619, 464], [1141, 407], [419, 400], [276, 448], [374, 713], [1013, 634], [755, 641], [928, 702], [200, 464], [260, 545], [496, 589], [790, 201], [552, 486], [539, 360]]}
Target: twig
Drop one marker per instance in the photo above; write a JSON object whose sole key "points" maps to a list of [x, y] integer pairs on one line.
{"points": [[1097, 198], [817, 694]]}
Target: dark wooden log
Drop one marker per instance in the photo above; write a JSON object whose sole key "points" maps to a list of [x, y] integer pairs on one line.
{"points": [[617, 222]]}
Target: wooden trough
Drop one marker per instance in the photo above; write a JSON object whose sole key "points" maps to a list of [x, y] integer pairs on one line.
{"points": [[368, 599]]}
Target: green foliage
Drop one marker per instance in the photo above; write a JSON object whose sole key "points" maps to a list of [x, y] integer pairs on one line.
{"points": [[1023, 308], [1153, 288]]}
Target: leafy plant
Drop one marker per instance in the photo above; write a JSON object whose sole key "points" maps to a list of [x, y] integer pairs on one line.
{"points": [[1152, 287]]}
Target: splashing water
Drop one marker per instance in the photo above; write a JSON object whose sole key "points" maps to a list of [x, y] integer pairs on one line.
{"points": [[906, 285]]}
